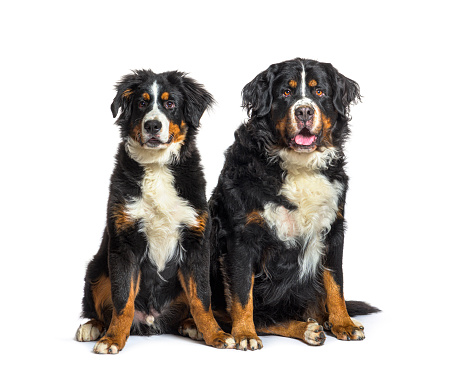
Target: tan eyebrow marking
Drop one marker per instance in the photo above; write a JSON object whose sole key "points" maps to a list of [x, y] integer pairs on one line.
{"points": [[293, 83], [146, 96], [165, 96], [312, 83]]}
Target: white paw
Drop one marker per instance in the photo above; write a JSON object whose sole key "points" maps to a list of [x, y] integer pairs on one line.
{"points": [[248, 341], [357, 323], [357, 334], [87, 332], [189, 329], [105, 347], [251, 344], [349, 330], [193, 333], [314, 334]]}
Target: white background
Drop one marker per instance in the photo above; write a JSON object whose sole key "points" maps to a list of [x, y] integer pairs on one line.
{"points": [[58, 67]]}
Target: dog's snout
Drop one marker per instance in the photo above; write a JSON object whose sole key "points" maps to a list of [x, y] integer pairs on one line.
{"points": [[304, 113], [152, 126]]}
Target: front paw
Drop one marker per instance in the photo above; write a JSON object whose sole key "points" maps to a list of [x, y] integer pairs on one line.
{"points": [[246, 341], [350, 329], [220, 340], [108, 345]]}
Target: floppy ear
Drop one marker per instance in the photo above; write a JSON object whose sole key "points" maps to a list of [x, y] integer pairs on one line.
{"points": [[257, 95], [346, 92], [125, 91], [197, 100]]}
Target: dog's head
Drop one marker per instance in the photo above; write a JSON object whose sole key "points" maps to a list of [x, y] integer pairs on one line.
{"points": [[158, 111], [307, 101]]}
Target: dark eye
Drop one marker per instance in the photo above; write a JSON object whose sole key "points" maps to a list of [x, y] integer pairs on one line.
{"points": [[319, 93], [169, 104], [142, 104], [286, 93]]}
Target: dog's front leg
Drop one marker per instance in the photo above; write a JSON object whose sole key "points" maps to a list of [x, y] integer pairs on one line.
{"points": [[339, 322], [194, 278], [124, 277], [239, 280]]}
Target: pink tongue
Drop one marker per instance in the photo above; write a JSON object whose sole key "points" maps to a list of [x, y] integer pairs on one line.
{"points": [[304, 140]]}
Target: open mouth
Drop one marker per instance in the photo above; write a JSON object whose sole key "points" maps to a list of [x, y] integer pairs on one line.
{"points": [[155, 142], [303, 141]]}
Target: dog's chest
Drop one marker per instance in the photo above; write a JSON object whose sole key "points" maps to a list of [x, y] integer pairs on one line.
{"points": [[162, 213], [316, 200]]}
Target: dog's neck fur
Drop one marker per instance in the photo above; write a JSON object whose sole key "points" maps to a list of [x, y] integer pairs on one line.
{"points": [[146, 156], [314, 161]]}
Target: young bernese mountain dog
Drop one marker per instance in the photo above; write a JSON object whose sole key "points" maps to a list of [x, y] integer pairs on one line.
{"points": [[152, 269], [278, 209]]}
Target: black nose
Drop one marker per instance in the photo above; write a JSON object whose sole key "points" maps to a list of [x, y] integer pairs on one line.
{"points": [[153, 127], [304, 113]]}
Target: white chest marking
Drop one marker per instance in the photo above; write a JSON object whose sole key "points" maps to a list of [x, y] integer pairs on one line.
{"points": [[162, 213], [316, 199]]}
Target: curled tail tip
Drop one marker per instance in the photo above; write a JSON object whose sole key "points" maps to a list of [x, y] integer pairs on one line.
{"points": [[355, 308]]}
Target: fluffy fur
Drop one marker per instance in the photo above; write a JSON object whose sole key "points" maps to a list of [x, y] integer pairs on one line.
{"points": [[278, 209], [152, 269]]}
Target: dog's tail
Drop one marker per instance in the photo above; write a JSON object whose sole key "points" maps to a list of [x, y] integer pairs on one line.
{"points": [[355, 308]]}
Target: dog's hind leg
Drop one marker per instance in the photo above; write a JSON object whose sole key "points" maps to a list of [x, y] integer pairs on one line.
{"points": [[310, 332], [188, 328]]}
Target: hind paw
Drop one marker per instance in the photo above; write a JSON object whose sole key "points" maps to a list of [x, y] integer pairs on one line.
{"points": [[188, 328], [89, 331], [314, 335]]}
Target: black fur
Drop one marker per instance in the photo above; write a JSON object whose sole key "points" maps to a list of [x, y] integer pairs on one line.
{"points": [[253, 176], [123, 256]]}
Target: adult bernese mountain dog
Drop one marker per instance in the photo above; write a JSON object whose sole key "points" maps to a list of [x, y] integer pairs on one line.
{"points": [[278, 209], [152, 269]]}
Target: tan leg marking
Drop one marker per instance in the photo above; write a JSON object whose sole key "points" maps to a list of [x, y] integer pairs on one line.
{"points": [[101, 292], [243, 328], [310, 332], [119, 329], [204, 318]]}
